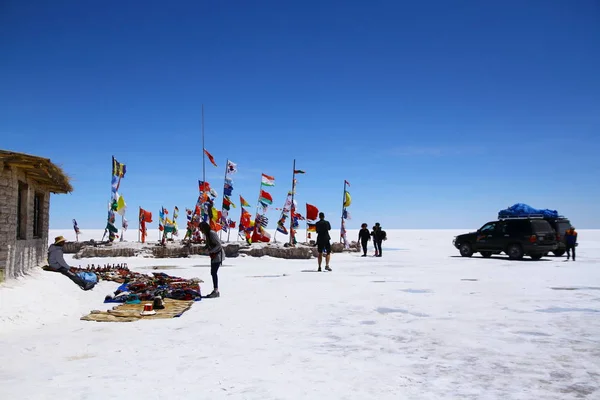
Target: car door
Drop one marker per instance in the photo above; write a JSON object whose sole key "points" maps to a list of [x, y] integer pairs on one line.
{"points": [[485, 236], [496, 240]]}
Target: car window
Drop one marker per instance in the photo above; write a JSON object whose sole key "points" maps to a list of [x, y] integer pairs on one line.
{"points": [[489, 228], [517, 227], [541, 226], [562, 227]]}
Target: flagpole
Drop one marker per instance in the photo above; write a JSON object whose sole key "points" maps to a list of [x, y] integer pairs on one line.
{"points": [[343, 202], [139, 223], [224, 181], [292, 205], [203, 167]]}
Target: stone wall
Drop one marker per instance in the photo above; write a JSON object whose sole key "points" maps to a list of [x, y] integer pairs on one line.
{"points": [[19, 255]]}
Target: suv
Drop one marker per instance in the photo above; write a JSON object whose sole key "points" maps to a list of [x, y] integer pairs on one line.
{"points": [[516, 236], [560, 226]]}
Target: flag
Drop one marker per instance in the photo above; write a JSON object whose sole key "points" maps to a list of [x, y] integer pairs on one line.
{"points": [[265, 198], [175, 212], [75, 227], [243, 202], [210, 157], [299, 171], [121, 206], [347, 183], [125, 224], [267, 180], [312, 228], [203, 186], [282, 229], [118, 169], [346, 214], [347, 199], [231, 167], [145, 216], [312, 212]]}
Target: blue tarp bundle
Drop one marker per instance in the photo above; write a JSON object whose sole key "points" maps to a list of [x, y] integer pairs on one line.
{"points": [[523, 210]]}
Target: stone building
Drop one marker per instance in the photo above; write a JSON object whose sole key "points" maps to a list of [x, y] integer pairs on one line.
{"points": [[25, 185]]}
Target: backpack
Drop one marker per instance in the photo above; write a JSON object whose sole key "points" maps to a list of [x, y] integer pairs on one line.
{"points": [[383, 235], [88, 276]]}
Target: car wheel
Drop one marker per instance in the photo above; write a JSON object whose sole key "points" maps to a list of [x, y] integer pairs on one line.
{"points": [[558, 253], [466, 250], [536, 256], [515, 251], [486, 254]]}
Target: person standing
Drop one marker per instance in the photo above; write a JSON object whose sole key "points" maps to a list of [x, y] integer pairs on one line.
{"points": [[571, 241], [379, 237], [216, 253], [57, 263], [323, 241], [363, 237]]}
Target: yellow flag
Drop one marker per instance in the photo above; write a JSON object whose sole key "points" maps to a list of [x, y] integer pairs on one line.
{"points": [[348, 200], [121, 206]]}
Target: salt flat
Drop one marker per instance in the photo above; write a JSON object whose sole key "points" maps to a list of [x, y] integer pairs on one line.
{"points": [[418, 323]]}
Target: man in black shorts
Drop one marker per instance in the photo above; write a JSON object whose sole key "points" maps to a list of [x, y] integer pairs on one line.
{"points": [[323, 240]]}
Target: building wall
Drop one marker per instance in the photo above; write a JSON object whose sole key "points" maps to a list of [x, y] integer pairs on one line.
{"points": [[17, 256]]}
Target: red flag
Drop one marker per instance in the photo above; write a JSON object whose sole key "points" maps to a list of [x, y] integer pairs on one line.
{"points": [[266, 196], [346, 182], [203, 186], [232, 224], [210, 157], [312, 212]]}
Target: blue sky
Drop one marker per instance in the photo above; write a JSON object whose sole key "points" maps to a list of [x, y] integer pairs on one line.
{"points": [[438, 113]]}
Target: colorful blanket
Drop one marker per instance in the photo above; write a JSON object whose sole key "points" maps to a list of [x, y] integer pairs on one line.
{"points": [[131, 312]]}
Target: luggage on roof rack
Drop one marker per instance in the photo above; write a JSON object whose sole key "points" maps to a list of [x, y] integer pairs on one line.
{"points": [[525, 211]]}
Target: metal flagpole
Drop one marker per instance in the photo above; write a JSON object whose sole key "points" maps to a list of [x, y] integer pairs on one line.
{"points": [[203, 166], [139, 223], [343, 202], [224, 180], [292, 205]]}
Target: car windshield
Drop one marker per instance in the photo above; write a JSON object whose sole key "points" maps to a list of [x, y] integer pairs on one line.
{"points": [[541, 226]]}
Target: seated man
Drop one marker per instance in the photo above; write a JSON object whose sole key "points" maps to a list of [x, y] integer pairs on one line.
{"points": [[57, 263]]}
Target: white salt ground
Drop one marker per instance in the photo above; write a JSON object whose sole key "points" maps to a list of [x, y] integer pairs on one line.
{"points": [[418, 323]]}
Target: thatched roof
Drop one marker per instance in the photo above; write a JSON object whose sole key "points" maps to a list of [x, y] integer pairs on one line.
{"points": [[41, 170]]}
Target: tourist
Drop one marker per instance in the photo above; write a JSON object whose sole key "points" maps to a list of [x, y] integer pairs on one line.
{"points": [[378, 238], [323, 241], [373, 235], [57, 263], [363, 237], [216, 253], [571, 241]]}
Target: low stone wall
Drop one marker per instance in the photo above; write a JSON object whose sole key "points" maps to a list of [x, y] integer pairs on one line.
{"points": [[173, 250]]}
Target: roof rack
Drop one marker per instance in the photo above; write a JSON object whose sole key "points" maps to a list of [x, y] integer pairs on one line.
{"points": [[528, 216]]}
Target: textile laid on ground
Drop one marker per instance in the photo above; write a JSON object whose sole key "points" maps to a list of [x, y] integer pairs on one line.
{"points": [[141, 287], [131, 312], [521, 210]]}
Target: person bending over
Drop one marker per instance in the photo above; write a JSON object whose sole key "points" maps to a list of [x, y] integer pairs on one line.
{"points": [[57, 263]]}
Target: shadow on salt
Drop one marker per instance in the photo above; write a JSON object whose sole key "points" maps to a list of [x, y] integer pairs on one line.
{"points": [[567, 309]]}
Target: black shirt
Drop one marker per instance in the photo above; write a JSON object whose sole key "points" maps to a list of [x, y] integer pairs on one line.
{"points": [[364, 235], [323, 227]]}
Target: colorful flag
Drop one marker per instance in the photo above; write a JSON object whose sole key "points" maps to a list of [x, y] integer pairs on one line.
{"points": [[243, 202], [210, 157], [346, 214], [121, 206], [299, 171], [75, 227], [265, 197], [203, 186], [347, 183], [267, 180], [231, 167], [311, 228], [175, 212], [118, 169], [145, 216]]}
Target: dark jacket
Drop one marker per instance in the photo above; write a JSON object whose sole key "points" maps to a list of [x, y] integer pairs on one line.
{"points": [[571, 237], [364, 235], [215, 249], [323, 227], [379, 235], [56, 259]]}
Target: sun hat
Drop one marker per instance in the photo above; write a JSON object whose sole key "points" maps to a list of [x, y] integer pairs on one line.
{"points": [[59, 239]]}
